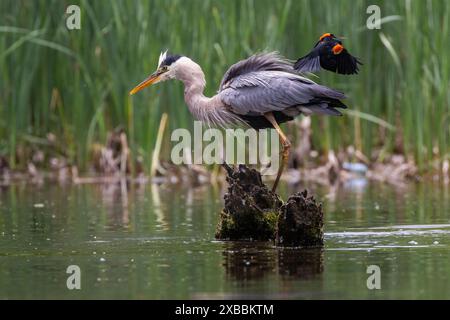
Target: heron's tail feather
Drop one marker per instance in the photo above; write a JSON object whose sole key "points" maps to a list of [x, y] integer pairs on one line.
{"points": [[325, 92], [323, 106]]}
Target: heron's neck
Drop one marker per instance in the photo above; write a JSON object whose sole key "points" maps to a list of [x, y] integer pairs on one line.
{"points": [[194, 84]]}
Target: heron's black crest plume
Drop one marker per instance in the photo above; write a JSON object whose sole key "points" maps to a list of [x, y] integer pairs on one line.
{"points": [[166, 59], [170, 59]]}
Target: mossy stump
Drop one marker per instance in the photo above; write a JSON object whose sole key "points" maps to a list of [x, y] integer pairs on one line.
{"points": [[253, 212], [251, 209], [300, 222]]}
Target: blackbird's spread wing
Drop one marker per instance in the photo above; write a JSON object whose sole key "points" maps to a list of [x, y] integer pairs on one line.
{"points": [[345, 63], [311, 62], [322, 57]]}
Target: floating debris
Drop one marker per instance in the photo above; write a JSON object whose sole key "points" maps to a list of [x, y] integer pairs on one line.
{"points": [[355, 167]]}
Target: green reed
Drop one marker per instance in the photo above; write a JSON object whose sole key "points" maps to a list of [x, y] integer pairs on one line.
{"points": [[74, 84]]}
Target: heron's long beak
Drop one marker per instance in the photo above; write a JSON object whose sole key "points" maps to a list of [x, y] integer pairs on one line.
{"points": [[152, 79]]}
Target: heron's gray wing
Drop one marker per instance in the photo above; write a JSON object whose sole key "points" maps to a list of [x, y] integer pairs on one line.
{"points": [[271, 61], [256, 93]]}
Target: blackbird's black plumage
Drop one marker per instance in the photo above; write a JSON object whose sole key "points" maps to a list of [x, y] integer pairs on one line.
{"points": [[328, 54]]}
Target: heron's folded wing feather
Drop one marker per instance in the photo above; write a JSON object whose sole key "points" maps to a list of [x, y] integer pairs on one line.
{"points": [[259, 92], [269, 61]]}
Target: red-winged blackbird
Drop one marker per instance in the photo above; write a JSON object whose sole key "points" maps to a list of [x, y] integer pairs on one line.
{"points": [[329, 54]]}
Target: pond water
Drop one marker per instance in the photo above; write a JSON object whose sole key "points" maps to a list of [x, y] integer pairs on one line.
{"points": [[157, 242]]}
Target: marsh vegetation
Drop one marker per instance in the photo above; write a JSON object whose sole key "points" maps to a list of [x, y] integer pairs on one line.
{"points": [[63, 92]]}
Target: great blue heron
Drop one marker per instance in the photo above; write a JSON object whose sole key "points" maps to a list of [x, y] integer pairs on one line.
{"points": [[328, 53], [262, 91]]}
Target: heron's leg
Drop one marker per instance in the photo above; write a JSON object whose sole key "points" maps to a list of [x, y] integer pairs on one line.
{"points": [[286, 144]]}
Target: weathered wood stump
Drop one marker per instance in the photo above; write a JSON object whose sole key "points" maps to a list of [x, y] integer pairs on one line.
{"points": [[300, 222], [253, 212], [251, 209]]}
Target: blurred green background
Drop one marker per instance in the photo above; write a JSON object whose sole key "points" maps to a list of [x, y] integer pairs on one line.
{"points": [[74, 84]]}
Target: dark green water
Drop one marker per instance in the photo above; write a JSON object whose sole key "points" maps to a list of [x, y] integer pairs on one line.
{"points": [[153, 242]]}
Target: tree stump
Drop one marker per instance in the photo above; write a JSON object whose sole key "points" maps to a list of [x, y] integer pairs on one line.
{"points": [[253, 212], [251, 209], [300, 222]]}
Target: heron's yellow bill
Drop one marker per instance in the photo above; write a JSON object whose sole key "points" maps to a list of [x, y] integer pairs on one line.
{"points": [[154, 78]]}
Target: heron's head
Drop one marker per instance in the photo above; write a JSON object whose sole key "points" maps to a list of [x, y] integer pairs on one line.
{"points": [[168, 66]]}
